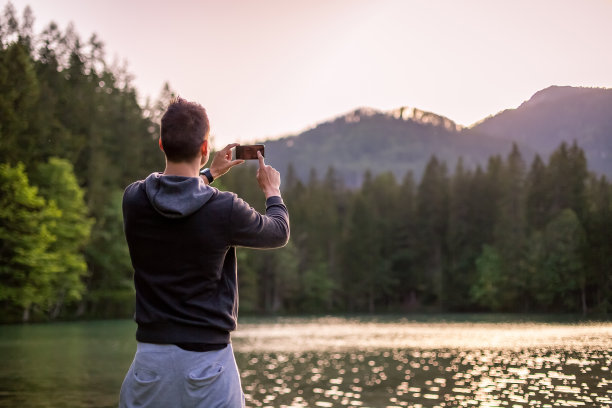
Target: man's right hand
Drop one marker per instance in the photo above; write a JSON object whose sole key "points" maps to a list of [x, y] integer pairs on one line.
{"points": [[222, 161], [268, 178]]}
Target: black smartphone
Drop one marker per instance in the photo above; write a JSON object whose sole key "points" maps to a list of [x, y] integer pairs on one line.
{"points": [[249, 152]]}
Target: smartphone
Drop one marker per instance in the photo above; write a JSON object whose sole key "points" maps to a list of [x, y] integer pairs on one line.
{"points": [[249, 152]]}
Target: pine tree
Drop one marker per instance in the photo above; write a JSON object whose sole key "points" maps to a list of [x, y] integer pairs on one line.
{"points": [[563, 275], [597, 255], [537, 195], [360, 249], [381, 193], [404, 256], [509, 246], [19, 93], [432, 216], [567, 176], [463, 239]]}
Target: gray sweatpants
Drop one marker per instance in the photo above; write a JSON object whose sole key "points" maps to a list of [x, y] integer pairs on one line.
{"points": [[165, 376]]}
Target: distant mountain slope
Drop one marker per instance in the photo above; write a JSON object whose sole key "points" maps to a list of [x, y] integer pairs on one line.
{"points": [[404, 140], [557, 114], [396, 141]]}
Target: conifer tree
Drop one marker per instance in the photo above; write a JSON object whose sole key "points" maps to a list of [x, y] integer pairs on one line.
{"points": [[508, 249], [562, 279], [404, 255], [567, 176], [382, 195], [360, 249], [597, 255], [463, 240], [432, 216], [18, 95], [537, 195]]}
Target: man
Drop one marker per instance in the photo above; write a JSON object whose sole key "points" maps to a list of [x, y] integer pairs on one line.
{"points": [[182, 234]]}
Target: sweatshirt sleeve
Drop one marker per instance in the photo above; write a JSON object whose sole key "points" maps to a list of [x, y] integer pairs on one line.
{"points": [[249, 228]]}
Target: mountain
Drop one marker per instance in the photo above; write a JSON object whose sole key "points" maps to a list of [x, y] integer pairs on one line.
{"points": [[404, 139], [398, 141], [557, 114]]}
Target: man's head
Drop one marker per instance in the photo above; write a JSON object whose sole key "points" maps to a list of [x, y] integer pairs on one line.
{"points": [[184, 131]]}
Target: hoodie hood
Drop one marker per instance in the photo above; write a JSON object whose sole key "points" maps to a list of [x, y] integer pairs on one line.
{"points": [[177, 196]]}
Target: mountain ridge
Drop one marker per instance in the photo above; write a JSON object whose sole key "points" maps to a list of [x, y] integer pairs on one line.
{"points": [[404, 139]]}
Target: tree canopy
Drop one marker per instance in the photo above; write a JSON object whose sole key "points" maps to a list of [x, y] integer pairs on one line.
{"points": [[73, 133]]}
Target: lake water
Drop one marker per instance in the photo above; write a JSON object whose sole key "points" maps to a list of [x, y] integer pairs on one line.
{"points": [[334, 362]]}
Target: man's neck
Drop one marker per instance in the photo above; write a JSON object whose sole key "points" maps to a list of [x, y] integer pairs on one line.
{"points": [[185, 169]]}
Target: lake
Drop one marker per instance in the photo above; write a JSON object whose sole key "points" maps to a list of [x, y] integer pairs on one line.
{"points": [[335, 362]]}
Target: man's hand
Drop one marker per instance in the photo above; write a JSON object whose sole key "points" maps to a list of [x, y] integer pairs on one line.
{"points": [[222, 161], [268, 178]]}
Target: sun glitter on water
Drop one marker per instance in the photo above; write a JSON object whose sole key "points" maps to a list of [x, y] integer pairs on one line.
{"points": [[341, 362]]}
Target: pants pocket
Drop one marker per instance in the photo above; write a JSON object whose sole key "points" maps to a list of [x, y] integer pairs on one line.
{"points": [[202, 376], [212, 381], [146, 386], [145, 376], [143, 383]]}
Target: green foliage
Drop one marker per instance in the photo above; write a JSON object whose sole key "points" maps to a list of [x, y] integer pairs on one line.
{"points": [[475, 240], [58, 185], [62, 105], [317, 290], [110, 286], [248, 283], [464, 237], [497, 238], [562, 277], [19, 91], [510, 229], [488, 290], [598, 229], [28, 266], [432, 221], [537, 195]]}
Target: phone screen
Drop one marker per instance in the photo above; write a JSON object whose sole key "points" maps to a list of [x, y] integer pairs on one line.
{"points": [[249, 152]]}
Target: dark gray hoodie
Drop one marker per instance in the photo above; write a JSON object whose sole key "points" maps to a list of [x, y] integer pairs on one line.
{"points": [[182, 236]]}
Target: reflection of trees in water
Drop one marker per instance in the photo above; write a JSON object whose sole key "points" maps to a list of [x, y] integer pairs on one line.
{"points": [[355, 361]]}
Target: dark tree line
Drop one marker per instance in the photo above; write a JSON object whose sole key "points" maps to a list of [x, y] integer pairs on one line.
{"points": [[72, 135], [507, 237], [502, 238]]}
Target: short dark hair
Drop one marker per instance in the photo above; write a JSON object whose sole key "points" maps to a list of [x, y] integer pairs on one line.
{"points": [[184, 127]]}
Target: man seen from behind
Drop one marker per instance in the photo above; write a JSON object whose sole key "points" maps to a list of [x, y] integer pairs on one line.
{"points": [[182, 235]]}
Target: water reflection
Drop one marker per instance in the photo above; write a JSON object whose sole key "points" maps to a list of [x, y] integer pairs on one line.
{"points": [[333, 333], [75, 364], [333, 362], [428, 378], [348, 363]]}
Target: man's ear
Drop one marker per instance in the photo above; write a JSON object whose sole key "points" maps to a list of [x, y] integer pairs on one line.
{"points": [[204, 148], [160, 145]]}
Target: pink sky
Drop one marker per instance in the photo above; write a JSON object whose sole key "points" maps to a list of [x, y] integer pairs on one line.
{"points": [[269, 68]]}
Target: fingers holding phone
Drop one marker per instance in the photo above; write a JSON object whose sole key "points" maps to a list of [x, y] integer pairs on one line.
{"points": [[222, 161]]}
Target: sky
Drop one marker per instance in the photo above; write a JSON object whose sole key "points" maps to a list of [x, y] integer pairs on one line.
{"points": [[270, 68]]}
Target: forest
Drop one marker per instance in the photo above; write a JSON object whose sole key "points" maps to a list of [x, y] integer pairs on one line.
{"points": [[507, 237]]}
